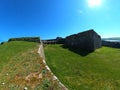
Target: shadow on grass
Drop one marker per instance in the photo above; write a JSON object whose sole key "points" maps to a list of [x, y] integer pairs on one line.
{"points": [[77, 50]]}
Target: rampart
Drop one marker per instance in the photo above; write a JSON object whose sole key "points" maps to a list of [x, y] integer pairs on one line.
{"points": [[29, 39]]}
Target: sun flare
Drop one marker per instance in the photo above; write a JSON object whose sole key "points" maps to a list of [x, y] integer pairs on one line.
{"points": [[94, 3]]}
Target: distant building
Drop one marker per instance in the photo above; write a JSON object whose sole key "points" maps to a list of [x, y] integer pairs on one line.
{"points": [[88, 40]]}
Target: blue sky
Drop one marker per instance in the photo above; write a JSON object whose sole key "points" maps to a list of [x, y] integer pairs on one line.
{"points": [[52, 18]]}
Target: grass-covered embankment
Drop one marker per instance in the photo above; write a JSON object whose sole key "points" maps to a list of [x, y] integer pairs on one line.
{"points": [[99, 70], [8, 50], [22, 68]]}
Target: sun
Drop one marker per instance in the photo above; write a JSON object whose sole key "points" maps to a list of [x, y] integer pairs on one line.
{"points": [[94, 3]]}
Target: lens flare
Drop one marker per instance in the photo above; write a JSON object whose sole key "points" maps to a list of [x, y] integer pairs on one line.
{"points": [[94, 3]]}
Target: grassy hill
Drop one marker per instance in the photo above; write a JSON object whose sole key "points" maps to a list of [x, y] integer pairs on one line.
{"points": [[8, 50], [22, 68], [99, 70]]}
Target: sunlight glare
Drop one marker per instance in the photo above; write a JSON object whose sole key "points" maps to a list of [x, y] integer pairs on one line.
{"points": [[94, 3]]}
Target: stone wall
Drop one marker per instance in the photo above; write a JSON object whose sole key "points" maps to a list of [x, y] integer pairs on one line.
{"points": [[58, 40], [88, 40], [49, 41], [111, 44]]}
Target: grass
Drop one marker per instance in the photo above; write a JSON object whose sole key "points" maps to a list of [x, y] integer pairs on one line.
{"points": [[99, 70], [22, 67], [10, 49]]}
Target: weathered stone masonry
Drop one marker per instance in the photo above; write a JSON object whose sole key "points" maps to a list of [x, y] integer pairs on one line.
{"points": [[88, 40]]}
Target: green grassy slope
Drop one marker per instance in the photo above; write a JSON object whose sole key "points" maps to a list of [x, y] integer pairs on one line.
{"points": [[99, 70], [22, 67], [10, 49]]}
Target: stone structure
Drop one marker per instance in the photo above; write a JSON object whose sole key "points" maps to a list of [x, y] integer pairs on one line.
{"points": [[111, 44], [49, 41], [58, 40], [88, 40]]}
